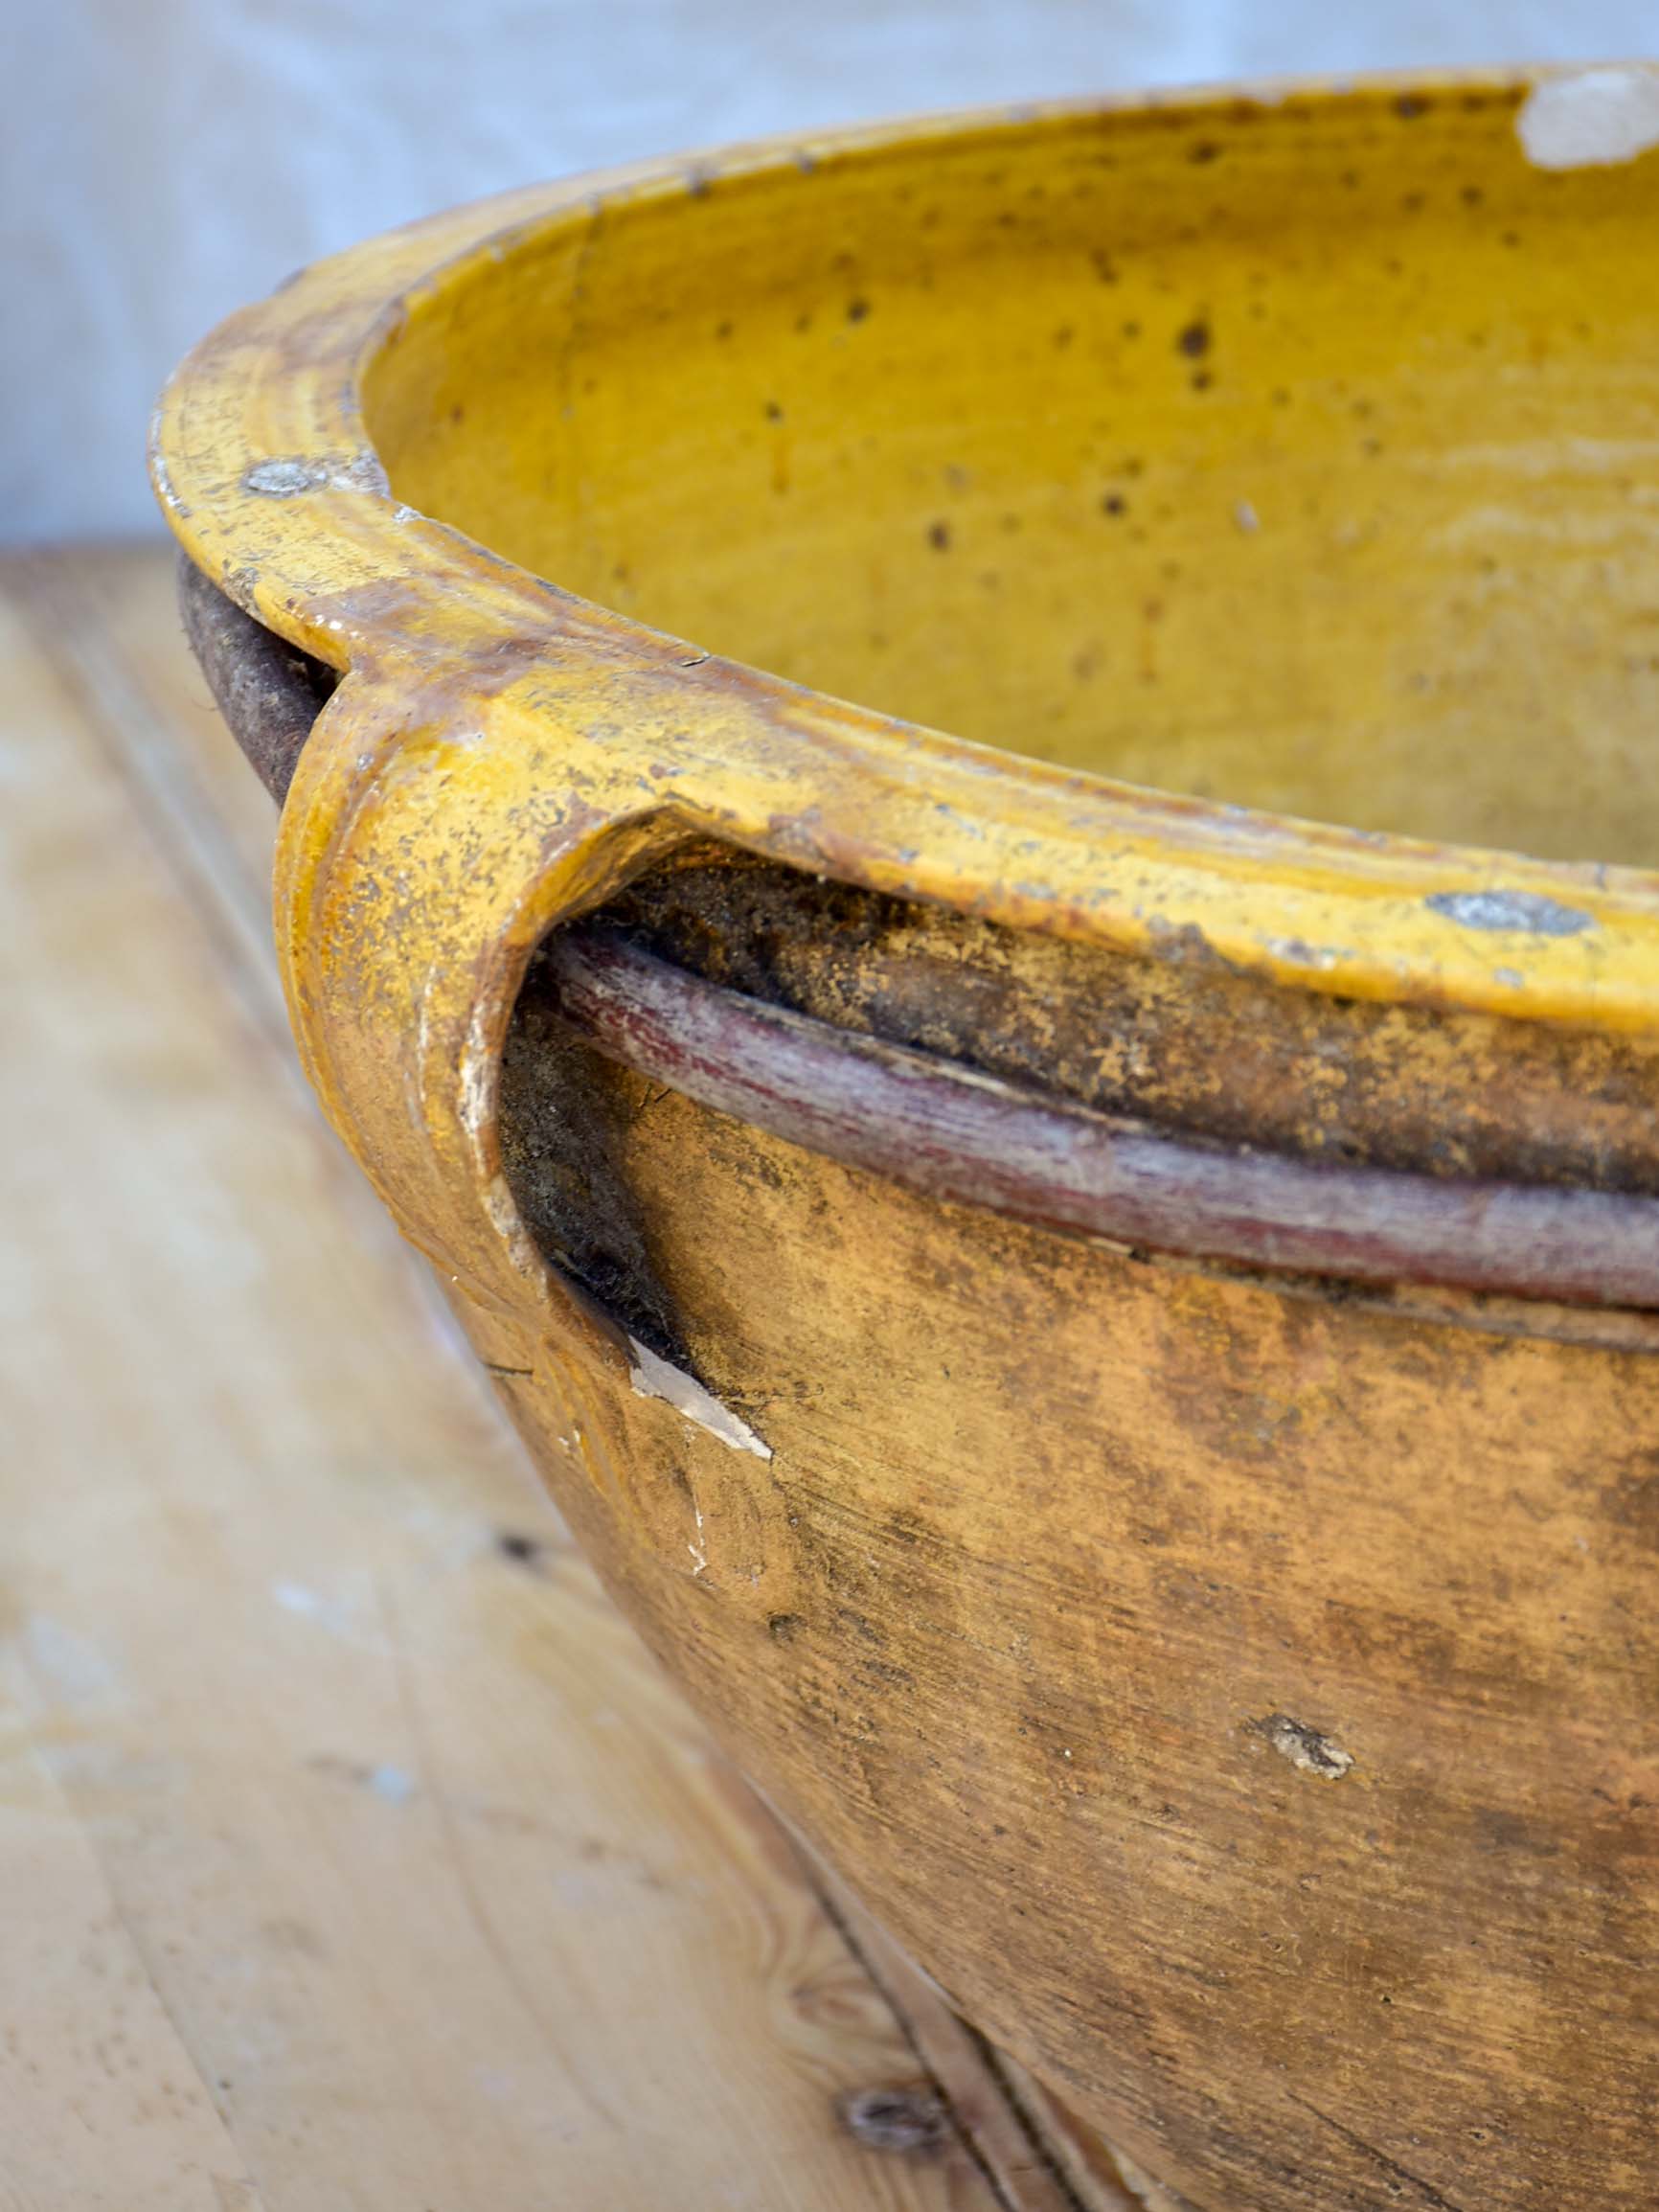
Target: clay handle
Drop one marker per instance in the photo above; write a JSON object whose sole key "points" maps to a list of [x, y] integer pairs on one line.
{"points": [[956, 1135]]}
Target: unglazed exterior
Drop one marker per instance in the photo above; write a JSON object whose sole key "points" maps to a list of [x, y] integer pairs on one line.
{"points": [[1234, 1682]]}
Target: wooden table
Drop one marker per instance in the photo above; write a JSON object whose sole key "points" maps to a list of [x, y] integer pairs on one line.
{"points": [[352, 1852]]}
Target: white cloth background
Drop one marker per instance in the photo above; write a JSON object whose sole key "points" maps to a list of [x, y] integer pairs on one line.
{"points": [[163, 160]]}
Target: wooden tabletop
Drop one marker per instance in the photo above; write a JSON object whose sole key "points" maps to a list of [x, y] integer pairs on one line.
{"points": [[354, 1855]]}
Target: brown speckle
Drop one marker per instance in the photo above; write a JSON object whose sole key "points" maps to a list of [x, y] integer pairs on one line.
{"points": [[938, 536], [1114, 503], [1194, 339], [1411, 105], [857, 310]]}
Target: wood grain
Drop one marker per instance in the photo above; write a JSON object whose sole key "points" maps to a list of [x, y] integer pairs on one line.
{"points": [[352, 1852]]}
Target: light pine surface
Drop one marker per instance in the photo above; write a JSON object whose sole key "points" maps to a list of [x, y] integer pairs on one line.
{"points": [[354, 1855]]}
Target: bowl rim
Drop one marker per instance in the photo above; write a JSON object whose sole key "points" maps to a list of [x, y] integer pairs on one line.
{"points": [[262, 463]]}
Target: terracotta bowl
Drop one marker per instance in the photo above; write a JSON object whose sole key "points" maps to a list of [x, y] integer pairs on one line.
{"points": [[1104, 1330]]}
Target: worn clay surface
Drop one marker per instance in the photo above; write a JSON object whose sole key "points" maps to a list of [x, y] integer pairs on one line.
{"points": [[1237, 1700], [1184, 1041]]}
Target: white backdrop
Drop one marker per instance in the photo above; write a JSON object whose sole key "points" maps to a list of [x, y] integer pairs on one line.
{"points": [[163, 160]]}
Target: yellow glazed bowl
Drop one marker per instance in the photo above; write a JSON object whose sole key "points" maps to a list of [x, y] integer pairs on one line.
{"points": [[1105, 1331]]}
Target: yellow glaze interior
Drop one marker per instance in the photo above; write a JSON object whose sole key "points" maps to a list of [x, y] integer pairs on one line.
{"points": [[1227, 442], [1299, 455]]}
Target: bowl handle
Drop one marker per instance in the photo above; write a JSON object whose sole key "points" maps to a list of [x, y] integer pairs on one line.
{"points": [[945, 1130], [424, 850]]}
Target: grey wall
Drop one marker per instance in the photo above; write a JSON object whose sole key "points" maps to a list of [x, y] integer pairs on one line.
{"points": [[164, 159]]}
